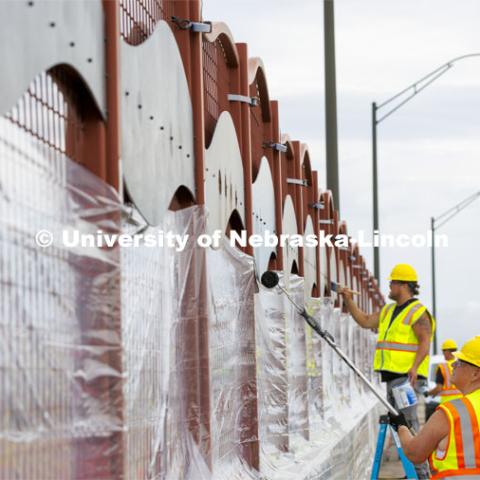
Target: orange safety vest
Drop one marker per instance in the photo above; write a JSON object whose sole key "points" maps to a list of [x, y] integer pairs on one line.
{"points": [[462, 455], [449, 390]]}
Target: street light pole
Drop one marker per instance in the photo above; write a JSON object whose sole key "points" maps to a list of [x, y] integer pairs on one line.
{"points": [[434, 298], [331, 140], [443, 219], [413, 90], [376, 253]]}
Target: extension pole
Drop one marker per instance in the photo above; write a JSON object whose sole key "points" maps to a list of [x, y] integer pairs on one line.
{"points": [[331, 341]]}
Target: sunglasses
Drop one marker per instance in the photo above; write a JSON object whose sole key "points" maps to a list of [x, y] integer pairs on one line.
{"points": [[460, 363]]}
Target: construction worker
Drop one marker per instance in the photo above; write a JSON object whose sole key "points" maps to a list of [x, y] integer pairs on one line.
{"points": [[443, 378], [405, 330], [451, 437]]}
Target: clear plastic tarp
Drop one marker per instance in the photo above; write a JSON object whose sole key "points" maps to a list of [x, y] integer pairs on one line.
{"points": [[60, 321], [152, 363], [315, 418], [165, 333]]}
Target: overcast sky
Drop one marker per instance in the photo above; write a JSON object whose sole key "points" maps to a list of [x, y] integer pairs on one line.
{"points": [[429, 151]]}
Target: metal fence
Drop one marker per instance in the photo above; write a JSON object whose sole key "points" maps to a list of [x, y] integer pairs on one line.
{"points": [[111, 366]]}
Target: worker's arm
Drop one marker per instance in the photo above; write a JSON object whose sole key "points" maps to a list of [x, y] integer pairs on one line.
{"points": [[423, 331], [419, 447], [363, 319], [439, 380], [435, 391]]}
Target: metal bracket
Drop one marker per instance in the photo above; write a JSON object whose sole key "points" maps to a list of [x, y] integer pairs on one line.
{"points": [[317, 205], [252, 101], [197, 27], [326, 222], [297, 181], [276, 146]]}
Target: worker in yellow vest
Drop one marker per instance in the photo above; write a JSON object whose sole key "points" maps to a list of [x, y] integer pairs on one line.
{"points": [[405, 330], [451, 437], [443, 378]]}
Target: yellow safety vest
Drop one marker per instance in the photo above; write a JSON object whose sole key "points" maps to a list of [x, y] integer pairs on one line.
{"points": [[462, 456], [449, 390], [397, 343]]}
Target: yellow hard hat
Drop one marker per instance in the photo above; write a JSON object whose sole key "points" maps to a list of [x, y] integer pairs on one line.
{"points": [[403, 273], [470, 352], [449, 345]]}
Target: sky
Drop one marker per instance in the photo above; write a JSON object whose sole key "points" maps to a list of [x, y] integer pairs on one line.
{"points": [[428, 151]]}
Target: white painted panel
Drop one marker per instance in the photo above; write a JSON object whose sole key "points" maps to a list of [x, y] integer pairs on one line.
{"points": [[157, 124], [35, 37], [224, 189], [289, 227], [333, 271], [348, 280], [263, 213], [309, 260], [342, 279], [323, 269]]}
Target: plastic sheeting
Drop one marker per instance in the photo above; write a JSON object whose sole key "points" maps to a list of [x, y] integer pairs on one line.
{"points": [[60, 354], [150, 363], [233, 389], [164, 320], [180, 337], [326, 430]]}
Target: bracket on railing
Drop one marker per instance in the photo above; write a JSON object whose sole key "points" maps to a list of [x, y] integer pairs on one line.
{"points": [[252, 101], [197, 27], [279, 147], [298, 181]]}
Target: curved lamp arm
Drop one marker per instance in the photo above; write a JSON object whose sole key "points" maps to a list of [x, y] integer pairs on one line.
{"points": [[449, 214], [420, 84]]}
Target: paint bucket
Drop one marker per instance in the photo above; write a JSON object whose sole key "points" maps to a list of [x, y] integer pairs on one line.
{"points": [[404, 395]]}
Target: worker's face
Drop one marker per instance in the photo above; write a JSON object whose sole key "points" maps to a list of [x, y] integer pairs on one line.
{"points": [[448, 355], [464, 375], [396, 289]]}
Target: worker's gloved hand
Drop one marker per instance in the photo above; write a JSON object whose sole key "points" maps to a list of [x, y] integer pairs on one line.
{"points": [[397, 420], [422, 388]]}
